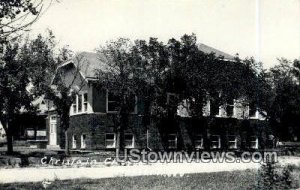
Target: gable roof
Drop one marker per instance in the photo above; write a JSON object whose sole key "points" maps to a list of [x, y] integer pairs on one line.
{"points": [[89, 63], [207, 49]]}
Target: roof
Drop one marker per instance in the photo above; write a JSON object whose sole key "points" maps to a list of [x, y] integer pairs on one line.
{"points": [[89, 63], [207, 49]]}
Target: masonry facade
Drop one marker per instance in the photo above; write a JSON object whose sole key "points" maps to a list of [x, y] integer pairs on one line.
{"points": [[236, 126]]}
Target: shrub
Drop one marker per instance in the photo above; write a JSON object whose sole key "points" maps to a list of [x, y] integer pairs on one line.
{"points": [[272, 177]]}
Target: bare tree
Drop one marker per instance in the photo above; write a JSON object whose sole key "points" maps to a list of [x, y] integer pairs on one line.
{"points": [[63, 91], [16, 16]]}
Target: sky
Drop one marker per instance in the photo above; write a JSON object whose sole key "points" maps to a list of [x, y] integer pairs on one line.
{"points": [[264, 29]]}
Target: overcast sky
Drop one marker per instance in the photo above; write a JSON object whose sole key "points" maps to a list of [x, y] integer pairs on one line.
{"points": [[265, 29]]}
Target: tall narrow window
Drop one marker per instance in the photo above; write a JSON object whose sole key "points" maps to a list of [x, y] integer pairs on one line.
{"points": [[253, 142], [112, 102], [129, 140], [172, 141], [215, 141], [230, 108], [252, 110], [133, 104], [83, 141], [214, 107], [232, 142], [199, 142], [74, 142], [79, 105], [74, 106], [110, 140], [85, 102]]}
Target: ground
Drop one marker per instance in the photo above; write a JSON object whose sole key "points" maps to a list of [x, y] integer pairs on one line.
{"points": [[234, 180], [38, 174], [225, 180], [139, 176]]}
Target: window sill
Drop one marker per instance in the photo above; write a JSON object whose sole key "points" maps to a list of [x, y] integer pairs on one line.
{"points": [[80, 113], [129, 147], [116, 112], [110, 148]]}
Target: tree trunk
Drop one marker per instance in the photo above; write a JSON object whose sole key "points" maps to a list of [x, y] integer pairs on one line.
{"points": [[146, 122], [10, 149], [118, 144], [67, 150], [9, 139]]}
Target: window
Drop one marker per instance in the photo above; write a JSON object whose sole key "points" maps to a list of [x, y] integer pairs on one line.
{"points": [[53, 118], [74, 141], [252, 110], [172, 141], [230, 108], [53, 128], [129, 140], [85, 102], [83, 141], [253, 142], [232, 142], [110, 140], [112, 102], [53, 123], [172, 98], [215, 141], [30, 133], [79, 103], [74, 107], [214, 108], [133, 102], [199, 142]]}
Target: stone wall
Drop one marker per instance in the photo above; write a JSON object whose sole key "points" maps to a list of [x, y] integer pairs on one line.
{"points": [[95, 127]]}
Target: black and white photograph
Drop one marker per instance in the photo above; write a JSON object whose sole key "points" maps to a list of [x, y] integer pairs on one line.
{"points": [[150, 94]]}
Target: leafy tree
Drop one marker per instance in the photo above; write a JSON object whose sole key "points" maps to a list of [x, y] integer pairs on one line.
{"points": [[116, 78], [26, 71], [134, 70], [13, 82], [199, 77], [45, 62], [285, 109]]}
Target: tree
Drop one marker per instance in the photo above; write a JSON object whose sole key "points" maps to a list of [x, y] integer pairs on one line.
{"points": [[17, 16], [202, 77], [118, 80], [188, 75], [133, 70], [13, 82], [27, 68], [63, 89], [49, 79], [23, 64], [284, 107]]}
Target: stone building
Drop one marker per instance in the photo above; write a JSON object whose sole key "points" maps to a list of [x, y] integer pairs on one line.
{"points": [[92, 119]]}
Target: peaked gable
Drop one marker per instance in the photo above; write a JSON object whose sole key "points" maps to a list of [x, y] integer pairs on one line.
{"points": [[207, 49]]}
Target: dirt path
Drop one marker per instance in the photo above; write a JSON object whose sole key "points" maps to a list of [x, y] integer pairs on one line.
{"points": [[40, 174]]}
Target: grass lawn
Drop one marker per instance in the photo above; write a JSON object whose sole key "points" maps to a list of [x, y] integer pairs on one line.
{"points": [[221, 180]]}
